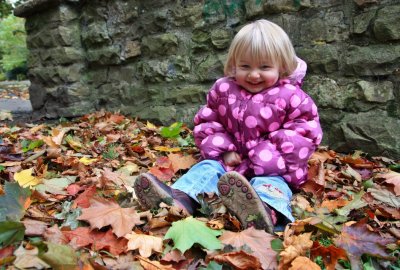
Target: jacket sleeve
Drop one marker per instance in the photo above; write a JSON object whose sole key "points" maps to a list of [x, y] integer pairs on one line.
{"points": [[209, 133], [286, 151]]}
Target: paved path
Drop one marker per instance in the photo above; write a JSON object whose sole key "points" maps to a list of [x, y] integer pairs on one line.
{"points": [[19, 107]]}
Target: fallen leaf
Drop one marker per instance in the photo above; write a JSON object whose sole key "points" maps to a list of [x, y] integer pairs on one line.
{"points": [[239, 260], [385, 196], [295, 246], [87, 161], [54, 235], [60, 256], [29, 259], [12, 203], [181, 162], [185, 233], [357, 240], [146, 244], [393, 178], [330, 255], [257, 240], [303, 263], [34, 227], [331, 205], [104, 213], [26, 179]]}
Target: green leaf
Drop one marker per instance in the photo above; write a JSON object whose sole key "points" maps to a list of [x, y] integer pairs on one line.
{"points": [[277, 245], [11, 232], [60, 256], [55, 185], [12, 203], [185, 233], [172, 131], [30, 145], [356, 203]]}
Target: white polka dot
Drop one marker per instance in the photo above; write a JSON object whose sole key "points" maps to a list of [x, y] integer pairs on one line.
{"points": [[217, 124], [294, 167], [303, 153], [287, 178], [294, 114], [273, 91], [222, 110], [314, 109], [273, 134], [299, 173], [235, 113], [258, 170], [319, 139], [305, 101], [273, 126], [265, 155], [290, 133], [287, 147], [231, 99], [209, 131], [250, 122], [301, 131], [206, 112], [231, 147], [213, 153], [295, 101], [217, 141], [266, 112], [224, 87], [251, 153], [237, 136], [280, 103], [290, 86], [196, 120], [281, 163], [250, 144], [204, 140], [213, 94], [313, 124], [197, 128], [257, 98]]}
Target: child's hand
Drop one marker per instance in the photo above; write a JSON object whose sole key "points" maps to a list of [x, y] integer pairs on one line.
{"points": [[232, 159]]}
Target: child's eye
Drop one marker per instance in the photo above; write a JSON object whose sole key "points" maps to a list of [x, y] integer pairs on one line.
{"points": [[244, 66], [264, 67]]}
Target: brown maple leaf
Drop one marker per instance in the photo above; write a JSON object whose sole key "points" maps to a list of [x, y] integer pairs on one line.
{"points": [[181, 162], [330, 254], [392, 178], [83, 236], [303, 263], [357, 240], [240, 260], [257, 240], [145, 243], [295, 245], [103, 213]]}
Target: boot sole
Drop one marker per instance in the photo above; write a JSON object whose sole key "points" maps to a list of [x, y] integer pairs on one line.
{"points": [[241, 199], [149, 193]]}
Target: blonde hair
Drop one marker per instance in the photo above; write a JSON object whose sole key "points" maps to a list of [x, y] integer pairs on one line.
{"points": [[265, 40]]}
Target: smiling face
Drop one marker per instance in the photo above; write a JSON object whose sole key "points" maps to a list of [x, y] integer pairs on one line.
{"points": [[255, 75]]}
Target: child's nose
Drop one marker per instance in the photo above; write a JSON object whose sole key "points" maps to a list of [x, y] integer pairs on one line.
{"points": [[254, 74]]}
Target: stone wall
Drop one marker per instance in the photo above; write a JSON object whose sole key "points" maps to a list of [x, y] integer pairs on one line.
{"points": [[156, 59]]}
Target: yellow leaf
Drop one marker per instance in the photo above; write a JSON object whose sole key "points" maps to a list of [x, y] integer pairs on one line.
{"points": [[25, 178], [87, 161], [167, 149], [150, 125]]}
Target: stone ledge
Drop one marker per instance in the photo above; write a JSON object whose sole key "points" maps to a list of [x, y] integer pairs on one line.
{"points": [[32, 6]]}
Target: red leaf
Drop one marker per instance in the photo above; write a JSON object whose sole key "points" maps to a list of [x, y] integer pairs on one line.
{"points": [[330, 254], [83, 199]]}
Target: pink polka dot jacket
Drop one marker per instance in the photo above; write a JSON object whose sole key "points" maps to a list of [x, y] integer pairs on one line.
{"points": [[274, 131]]}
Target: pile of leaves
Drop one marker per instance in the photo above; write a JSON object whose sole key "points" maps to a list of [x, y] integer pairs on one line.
{"points": [[66, 202]]}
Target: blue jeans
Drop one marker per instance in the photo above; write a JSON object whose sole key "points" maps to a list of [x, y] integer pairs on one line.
{"points": [[204, 176]]}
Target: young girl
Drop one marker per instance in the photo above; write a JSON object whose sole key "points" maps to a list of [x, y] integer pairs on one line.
{"points": [[255, 133]]}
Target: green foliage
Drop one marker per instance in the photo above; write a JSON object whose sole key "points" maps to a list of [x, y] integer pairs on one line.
{"points": [[28, 145], [111, 152], [5, 9], [12, 203], [185, 233], [12, 43], [172, 131], [11, 232]]}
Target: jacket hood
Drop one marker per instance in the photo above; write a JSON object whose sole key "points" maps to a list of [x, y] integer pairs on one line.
{"points": [[299, 73]]}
